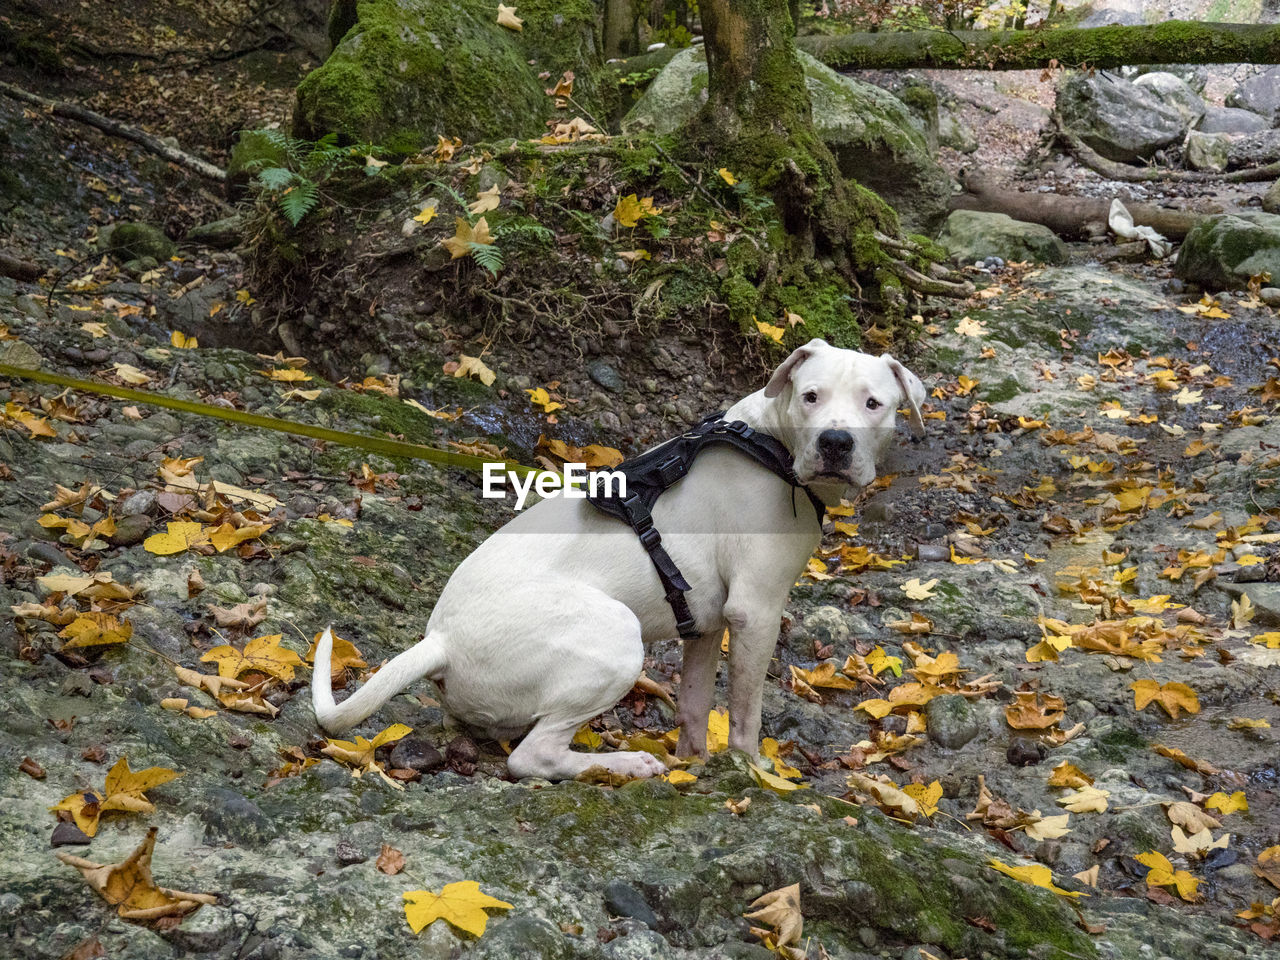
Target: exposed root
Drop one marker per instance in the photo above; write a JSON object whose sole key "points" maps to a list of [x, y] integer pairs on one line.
{"points": [[942, 281]]}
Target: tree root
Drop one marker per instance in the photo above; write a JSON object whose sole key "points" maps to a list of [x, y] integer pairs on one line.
{"points": [[944, 282], [73, 111], [1114, 170]]}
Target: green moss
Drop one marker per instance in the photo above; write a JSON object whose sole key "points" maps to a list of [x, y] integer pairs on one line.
{"points": [[1006, 389], [1119, 744]]}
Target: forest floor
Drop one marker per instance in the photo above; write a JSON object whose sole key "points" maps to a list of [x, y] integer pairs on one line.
{"points": [[1056, 624]]}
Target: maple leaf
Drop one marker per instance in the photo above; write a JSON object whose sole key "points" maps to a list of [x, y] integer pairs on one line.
{"points": [[1034, 711], [879, 661], [445, 148], [887, 795], [344, 655], [1188, 815], [474, 367], [1048, 828], [727, 177], [181, 705], [926, 797], [968, 327], [678, 777], [486, 200], [774, 782], [124, 790], [96, 629], [286, 375], [181, 536], [227, 535], [1172, 697], [1198, 844], [427, 213], [717, 731], [212, 683], [462, 905], [823, 675], [916, 590], [1085, 800], [769, 748], [1268, 866], [390, 860], [459, 245], [1234, 803], [1068, 774], [130, 374], [539, 397], [263, 654], [128, 886], [1242, 612], [358, 753], [770, 331], [181, 341], [1162, 874], [1035, 874], [780, 909], [507, 18], [630, 210], [241, 616]]}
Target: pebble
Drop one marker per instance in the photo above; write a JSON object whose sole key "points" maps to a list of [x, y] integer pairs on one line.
{"points": [[67, 834], [1025, 752], [950, 721], [413, 753], [1270, 296], [623, 900], [130, 530], [932, 551]]}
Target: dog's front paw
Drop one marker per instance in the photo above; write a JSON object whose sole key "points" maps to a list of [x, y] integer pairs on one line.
{"points": [[638, 764]]}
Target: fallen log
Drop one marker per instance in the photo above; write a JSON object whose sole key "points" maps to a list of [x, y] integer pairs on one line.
{"points": [[73, 111], [1174, 41], [1068, 217]]}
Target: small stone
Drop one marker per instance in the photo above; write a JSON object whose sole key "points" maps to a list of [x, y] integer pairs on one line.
{"points": [[623, 900], [130, 530], [349, 854], [1270, 295], [67, 834], [413, 753], [933, 531], [140, 501], [950, 721], [932, 552], [1025, 752], [878, 511]]}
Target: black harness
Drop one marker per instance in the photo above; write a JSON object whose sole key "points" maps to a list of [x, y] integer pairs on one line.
{"points": [[656, 470]]}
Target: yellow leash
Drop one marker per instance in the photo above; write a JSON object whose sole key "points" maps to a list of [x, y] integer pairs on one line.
{"points": [[382, 445]]}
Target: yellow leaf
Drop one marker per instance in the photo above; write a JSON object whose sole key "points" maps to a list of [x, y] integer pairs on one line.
{"points": [[633, 256], [427, 213], [1235, 803], [461, 904], [287, 375], [726, 176], [1048, 828], [1199, 843], [1187, 396], [717, 731], [1035, 874], [227, 536], [1068, 774], [630, 210], [774, 333], [968, 327], [263, 654], [879, 661], [459, 245], [96, 629], [296, 394], [344, 655], [1242, 612], [124, 791], [1247, 723], [773, 782], [780, 909], [916, 590], [1162, 874], [486, 200], [1172, 697], [474, 367], [1087, 799], [445, 148], [180, 340], [539, 397], [965, 385], [130, 374], [506, 18], [678, 777], [95, 329], [769, 748], [181, 536], [926, 797]]}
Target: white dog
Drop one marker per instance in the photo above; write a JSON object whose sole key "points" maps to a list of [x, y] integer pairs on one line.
{"points": [[543, 627]]}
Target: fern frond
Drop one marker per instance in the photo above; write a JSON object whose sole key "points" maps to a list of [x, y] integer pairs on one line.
{"points": [[297, 202], [488, 256], [276, 178]]}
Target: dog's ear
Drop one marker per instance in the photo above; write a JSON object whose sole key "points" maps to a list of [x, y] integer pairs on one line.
{"points": [[912, 392], [782, 376]]}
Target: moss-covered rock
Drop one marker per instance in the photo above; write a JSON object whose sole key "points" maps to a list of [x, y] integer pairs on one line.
{"points": [[253, 150], [875, 138], [970, 235], [1224, 252], [134, 241], [408, 70]]}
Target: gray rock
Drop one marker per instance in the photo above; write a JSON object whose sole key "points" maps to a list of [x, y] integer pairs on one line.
{"points": [[873, 135], [1260, 94], [1207, 151], [970, 235], [1194, 75], [219, 234], [1175, 92], [1223, 252], [621, 899], [950, 721], [827, 624], [605, 375], [1114, 13], [1270, 296], [1231, 120], [229, 816], [67, 834], [953, 133], [130, 530], [1120, 120], [1271, 199], [413, 753]]}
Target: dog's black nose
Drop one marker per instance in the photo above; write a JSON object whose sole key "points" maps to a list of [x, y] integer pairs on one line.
{"points": [[835, 445]]}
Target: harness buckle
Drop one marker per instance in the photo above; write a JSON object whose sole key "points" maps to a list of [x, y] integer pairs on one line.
{"points": [[670, 470], [649, 536], [739, 428]]}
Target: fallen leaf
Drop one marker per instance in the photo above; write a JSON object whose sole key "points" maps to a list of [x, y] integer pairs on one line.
{"points": [[474, 367], [1035, 874], [263, 654], [1162, 874], [459, 245], [727, 177], [915, 590], [124, 790], [506, 18], [780, 909], [181, 536], [461, 904], [390, 860], [486, 200], [1224, 804], [1085, 800], [96, 629], [344, 655], [1172, 697]]}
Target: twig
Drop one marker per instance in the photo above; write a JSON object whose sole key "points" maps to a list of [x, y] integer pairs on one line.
{"points": [[72, 111]]}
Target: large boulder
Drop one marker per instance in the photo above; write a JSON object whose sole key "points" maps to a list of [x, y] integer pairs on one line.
{"points": [[1174, 92], [874, 137], [971, 235], [1261, 94], [1231, 120], [409, 70], [1223, 252], [1117, 118], [1208, 152]]}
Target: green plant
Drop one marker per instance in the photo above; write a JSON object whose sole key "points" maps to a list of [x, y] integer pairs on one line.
{"points": [[638, 78], [295, 184]]}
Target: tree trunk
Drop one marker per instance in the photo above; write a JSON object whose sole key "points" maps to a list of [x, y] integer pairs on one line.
{"points": [[1174, 41]]}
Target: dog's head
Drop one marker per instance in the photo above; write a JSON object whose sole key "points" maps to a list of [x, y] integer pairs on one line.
{"points": [[835, 410]]}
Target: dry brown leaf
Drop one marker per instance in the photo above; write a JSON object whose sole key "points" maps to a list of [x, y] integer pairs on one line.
{"points": [[390, 860], [242, 616]]}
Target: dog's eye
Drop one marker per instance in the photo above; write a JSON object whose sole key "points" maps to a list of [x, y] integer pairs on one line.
{"points": [[873, 403], [811, 396]]}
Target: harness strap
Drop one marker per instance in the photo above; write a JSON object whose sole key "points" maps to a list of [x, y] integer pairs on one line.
{"points": [[654, 471]]}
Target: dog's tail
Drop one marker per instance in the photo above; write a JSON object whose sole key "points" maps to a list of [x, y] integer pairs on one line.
{"points": [[425, 658]]}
